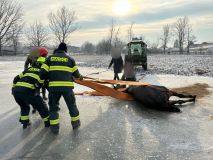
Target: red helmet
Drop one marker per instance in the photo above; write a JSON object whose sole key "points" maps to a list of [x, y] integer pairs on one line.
{"points": [[43, 51]]}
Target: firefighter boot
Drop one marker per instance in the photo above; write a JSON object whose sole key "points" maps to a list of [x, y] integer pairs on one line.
{"points": [[26, 124], [47, 123], [55, 128], [76, 124]]}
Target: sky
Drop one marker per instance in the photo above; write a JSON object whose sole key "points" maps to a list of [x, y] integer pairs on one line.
{"points": [[94, 17]]}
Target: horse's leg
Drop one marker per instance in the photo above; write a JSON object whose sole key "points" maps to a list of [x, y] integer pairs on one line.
{"points": [[167, 107], [181, 101], [183, 95], [170, 108]]}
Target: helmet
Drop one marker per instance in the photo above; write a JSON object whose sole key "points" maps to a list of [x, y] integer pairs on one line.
{"points": [[43, 51], [41, 60]]}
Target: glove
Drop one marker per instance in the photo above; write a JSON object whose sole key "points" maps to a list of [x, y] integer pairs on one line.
{"points": [[81, 78]]}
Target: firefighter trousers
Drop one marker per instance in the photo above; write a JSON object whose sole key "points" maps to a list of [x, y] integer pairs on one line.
{"points": [[69, 98], [24, 100]]}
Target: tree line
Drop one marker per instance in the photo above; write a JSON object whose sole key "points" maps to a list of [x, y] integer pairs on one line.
{"points": [[181, 32], [62, 24]]}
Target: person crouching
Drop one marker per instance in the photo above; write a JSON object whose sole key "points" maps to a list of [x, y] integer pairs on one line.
{"points": [[26, 93]]}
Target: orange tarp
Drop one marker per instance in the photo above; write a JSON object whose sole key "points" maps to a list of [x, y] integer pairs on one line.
{"points": [[102, 90]]}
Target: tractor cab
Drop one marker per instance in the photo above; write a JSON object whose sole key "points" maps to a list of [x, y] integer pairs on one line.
{"points": [[137, 53]]}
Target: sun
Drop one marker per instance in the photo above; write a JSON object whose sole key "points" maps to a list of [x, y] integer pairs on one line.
{"points": [[121, 7]]}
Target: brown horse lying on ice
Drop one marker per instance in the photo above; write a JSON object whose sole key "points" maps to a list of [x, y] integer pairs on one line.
{"points": [[157, 97]]}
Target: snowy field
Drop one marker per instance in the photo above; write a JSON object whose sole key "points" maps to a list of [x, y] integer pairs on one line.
{"points": [[188, 65]]}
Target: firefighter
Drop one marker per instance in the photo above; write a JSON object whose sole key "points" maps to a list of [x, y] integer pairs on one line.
{"points": [[43, 52], [34, 55], [37, 52], [26, 93], [60, 69]]}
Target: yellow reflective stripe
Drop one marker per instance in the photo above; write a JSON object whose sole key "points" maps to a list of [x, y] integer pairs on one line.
{"points": [[25, 84], [21, 75], [74, 68], [56, 121], [24, 118], [60, 68], [34, 76], [61, 84], [14, 85], [46, 67], [63, 68], [41, 81], [33, 69], [75, 118], [46, 119]]}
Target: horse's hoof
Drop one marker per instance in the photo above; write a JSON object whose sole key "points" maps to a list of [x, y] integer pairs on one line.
{"points": [[194, 98]]}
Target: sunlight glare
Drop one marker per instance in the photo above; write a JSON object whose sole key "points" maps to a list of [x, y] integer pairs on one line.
{"points": [[121, 7]]}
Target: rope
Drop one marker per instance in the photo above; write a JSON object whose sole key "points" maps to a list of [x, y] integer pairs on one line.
{"points": [[96, 73]]}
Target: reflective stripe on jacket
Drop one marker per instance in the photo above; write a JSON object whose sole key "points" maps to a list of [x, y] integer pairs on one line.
{"points": [[25, 82], [60, 69]]}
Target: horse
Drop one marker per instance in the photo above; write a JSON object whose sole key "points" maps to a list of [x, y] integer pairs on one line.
{"points": [[158, 97]]}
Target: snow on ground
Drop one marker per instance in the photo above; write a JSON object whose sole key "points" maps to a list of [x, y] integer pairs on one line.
{"points": [[162, 64], [188, 65]]}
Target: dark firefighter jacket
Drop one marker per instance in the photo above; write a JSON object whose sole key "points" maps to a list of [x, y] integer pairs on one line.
{"points": [[26, 81], [60, 69], [118, 64]]}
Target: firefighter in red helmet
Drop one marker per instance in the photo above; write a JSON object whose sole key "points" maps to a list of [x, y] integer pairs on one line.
{"points": [[35, 53], [43, 52]]}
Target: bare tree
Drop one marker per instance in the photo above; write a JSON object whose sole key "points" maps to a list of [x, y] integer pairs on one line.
{"points": [[112, 43], [153, 46], [116, 45], [180, 29], [165, 37], [103, 47], [15, 36], [88, 47], [37, 35], [113, 38], [10, 15], [116, 38], [190, 38], [176, 44], [130, 31], [62, 23], [111, 34]]}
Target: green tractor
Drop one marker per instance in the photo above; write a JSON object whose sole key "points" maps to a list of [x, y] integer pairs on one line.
{"points": [[137, 53]]}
